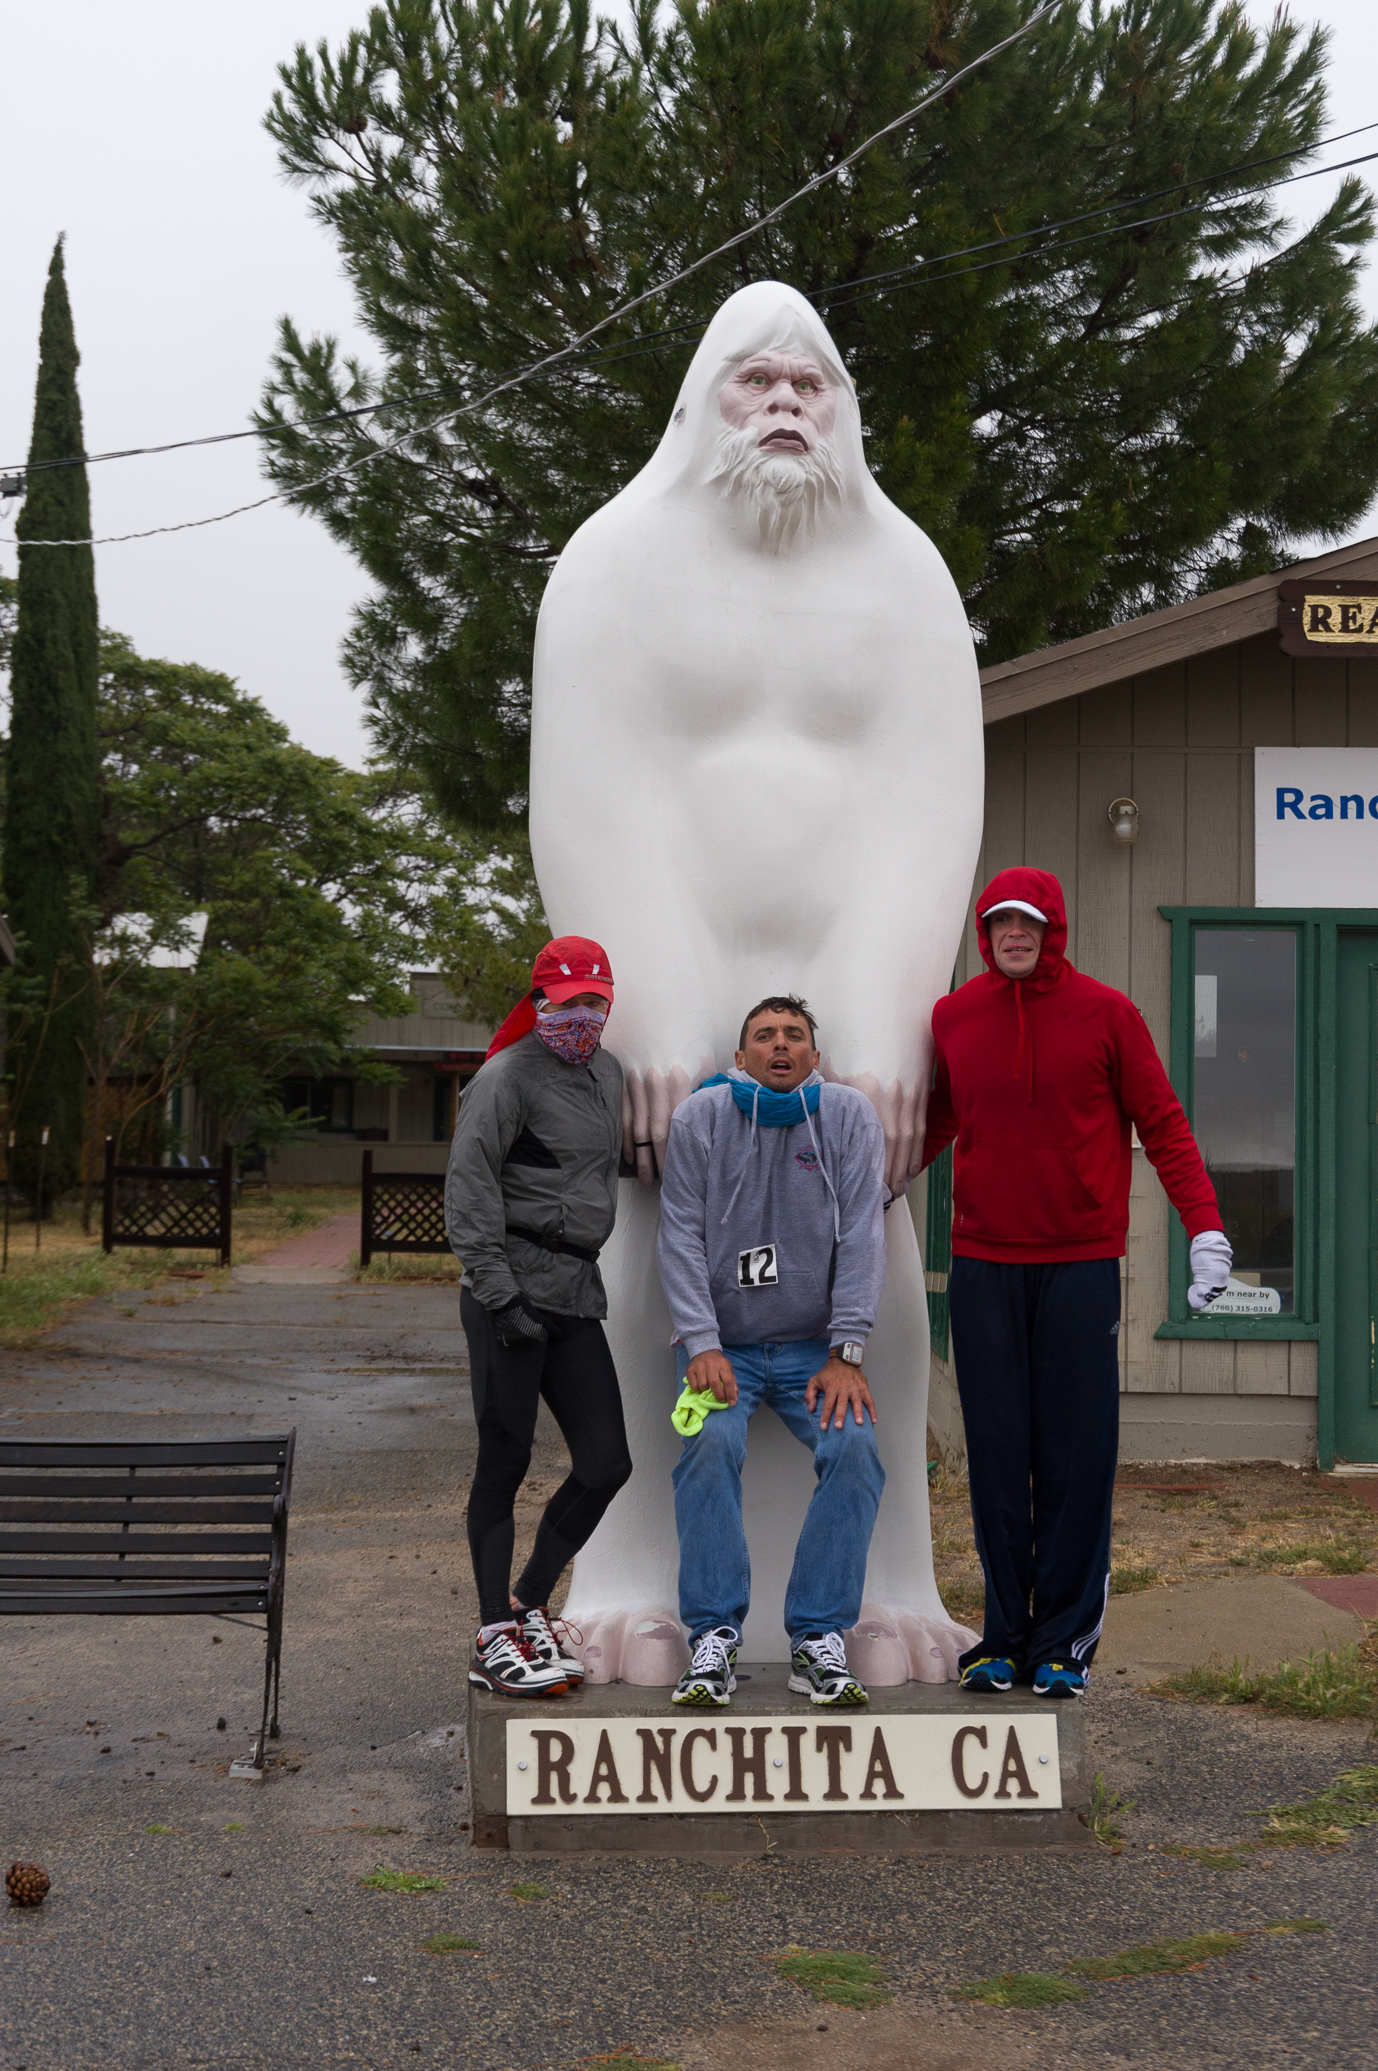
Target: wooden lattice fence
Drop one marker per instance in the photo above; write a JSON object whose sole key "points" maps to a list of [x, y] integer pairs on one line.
{"points": [[168, 1207], [402, 1211]]}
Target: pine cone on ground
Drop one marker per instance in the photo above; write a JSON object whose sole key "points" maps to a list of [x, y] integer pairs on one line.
{"points": [[27, 1884]]}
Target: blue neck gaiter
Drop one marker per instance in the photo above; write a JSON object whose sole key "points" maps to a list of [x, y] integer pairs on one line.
{"points": [[771, 1109]]}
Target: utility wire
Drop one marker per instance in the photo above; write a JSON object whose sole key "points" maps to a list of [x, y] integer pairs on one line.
{"points": [[564, 352], [610, 354], [895, 282], [866, 289]]}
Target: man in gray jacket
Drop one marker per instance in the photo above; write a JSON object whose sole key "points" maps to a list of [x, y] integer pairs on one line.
{"points": [[530, 1196], [772, 1256]]}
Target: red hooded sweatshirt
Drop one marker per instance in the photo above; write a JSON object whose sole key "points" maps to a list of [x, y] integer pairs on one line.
{"points": [[1038, 1080]]}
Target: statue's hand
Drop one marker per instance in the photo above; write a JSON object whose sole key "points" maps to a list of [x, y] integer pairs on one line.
{"points": [[900, 1109], [647, 1105]]}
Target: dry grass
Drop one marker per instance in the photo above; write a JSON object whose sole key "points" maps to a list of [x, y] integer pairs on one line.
{"points": [[1258, 1520]]}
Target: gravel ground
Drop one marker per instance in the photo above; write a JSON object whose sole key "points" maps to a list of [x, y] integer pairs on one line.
{"points": [[244, 1937]]}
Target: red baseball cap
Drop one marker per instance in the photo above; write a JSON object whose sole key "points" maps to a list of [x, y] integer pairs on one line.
{"points": [[569, 965]]}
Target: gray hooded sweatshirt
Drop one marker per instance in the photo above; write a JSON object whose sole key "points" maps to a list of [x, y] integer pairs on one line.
{"points": [[772, 1234]]}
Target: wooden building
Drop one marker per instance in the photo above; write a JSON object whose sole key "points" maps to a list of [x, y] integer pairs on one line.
{"points": [[1249, 940]]}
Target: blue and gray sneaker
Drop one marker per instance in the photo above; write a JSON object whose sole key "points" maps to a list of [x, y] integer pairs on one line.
{"points": [[819, 1671], [1059, 1679], [991, 1672], [708, 1681]]}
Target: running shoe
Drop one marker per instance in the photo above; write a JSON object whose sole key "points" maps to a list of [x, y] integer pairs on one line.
{"points": [[819, 1671], [991, 1672], [507, 1663], [708, 1681], [544, 1639], [1059, 1679]]}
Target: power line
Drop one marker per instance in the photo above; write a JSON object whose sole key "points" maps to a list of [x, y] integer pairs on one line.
{"points": [[869, 281], [866, 289], [564, 352], [633, 347], [896, 283]]}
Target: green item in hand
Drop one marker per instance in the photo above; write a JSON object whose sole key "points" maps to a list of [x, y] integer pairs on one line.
{"points": [[693, 1406]]}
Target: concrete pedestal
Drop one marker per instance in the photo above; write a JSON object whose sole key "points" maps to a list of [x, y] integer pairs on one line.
{"points": [[762, 1695]]}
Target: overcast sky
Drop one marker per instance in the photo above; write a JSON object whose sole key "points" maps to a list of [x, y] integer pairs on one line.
{"points": [[138, 130]]}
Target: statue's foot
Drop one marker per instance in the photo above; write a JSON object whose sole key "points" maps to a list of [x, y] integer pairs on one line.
{"points": [[643, 1647], [890, 1645]]}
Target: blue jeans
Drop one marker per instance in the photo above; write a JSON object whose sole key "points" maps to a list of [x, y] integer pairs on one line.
{"points": [[829, 1572]]}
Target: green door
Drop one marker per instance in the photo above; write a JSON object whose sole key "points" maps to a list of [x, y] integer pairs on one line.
{"points": [[1356, 1198]]}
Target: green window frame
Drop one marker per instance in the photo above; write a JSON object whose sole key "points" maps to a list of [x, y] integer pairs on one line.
{"points": [[1312, 931], [937, 1250]]}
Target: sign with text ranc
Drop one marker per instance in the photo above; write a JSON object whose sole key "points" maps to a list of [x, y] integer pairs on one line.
{"points": [[1329, 618], [984, 1762], [1316, 826]]}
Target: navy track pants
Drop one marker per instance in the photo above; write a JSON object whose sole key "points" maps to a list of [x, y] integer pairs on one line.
{"points": [[1036, 1350]]}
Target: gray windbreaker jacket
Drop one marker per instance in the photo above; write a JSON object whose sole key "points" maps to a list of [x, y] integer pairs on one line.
{"points": [[772, 1233], [536, 1145]]}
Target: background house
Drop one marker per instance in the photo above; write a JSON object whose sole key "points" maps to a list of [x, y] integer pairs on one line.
{"points": [[437, 1052], [1264, 996]]}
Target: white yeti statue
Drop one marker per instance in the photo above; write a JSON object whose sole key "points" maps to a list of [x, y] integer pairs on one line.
{"points": [[756, 767]]}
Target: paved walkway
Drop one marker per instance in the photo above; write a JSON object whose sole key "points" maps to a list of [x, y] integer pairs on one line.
{"points": [[319, 1257], [196, 1920]]}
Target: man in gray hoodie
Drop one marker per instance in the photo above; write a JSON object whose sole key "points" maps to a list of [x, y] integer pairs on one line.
{"points": [[772, 1256]]}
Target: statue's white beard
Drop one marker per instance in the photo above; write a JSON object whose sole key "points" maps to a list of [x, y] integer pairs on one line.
{"points": [[787, 491]]}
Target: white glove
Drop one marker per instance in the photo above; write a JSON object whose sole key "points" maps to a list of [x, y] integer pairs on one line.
{"points": [[1211, 1259]]}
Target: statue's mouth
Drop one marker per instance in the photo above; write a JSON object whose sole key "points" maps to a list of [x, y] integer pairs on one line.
{"points": [[785, 440]]}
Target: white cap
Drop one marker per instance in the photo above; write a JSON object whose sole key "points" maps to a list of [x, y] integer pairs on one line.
{"points": [[1018, 906]]}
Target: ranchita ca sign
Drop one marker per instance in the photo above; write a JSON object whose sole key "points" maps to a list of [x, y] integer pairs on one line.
{"points": [[1316, 826], [901, 1762]]}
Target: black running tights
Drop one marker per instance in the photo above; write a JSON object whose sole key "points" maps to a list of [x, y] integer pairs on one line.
{"points": [[575, 1374]]}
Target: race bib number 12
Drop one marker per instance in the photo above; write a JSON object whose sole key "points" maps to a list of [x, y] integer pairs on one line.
{"points": [[758, 1267]]}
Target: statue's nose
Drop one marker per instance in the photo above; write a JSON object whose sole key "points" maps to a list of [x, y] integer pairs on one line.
{"points": [[789, 402]]}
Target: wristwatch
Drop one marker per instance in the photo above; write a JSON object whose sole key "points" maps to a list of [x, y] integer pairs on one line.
{"points": [[852, 1352]]}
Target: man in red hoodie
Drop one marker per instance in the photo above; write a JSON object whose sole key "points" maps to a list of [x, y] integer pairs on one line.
{"points": [[1039, 1074]]}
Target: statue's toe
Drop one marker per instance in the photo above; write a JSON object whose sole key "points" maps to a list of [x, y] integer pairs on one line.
{"points": [[646, 1648]]}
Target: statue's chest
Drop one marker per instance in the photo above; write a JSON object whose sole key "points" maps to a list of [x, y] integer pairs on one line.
{"points": [[781, 658]]}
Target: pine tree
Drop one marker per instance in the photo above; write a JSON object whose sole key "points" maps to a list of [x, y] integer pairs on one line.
{"points": [[1089, 421], [51, 826]]}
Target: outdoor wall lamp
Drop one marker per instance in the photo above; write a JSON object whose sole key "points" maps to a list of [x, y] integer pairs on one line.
{"points": [[1123, 816]]}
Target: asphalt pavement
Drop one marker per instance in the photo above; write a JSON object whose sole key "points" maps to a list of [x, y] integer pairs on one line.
{"points": [[196, 1919]]}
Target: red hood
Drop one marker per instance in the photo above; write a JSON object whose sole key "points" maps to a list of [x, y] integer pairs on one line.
{"points": [[1038, 888]]}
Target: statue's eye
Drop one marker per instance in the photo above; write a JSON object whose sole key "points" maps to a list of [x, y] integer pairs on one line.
{"points": [[756, 380], [806, 388]]}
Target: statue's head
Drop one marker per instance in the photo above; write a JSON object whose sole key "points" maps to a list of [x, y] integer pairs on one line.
{"points": [[775, 450], [766, 424]]}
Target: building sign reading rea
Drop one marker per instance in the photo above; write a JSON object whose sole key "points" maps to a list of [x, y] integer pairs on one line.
{"points": [[1316, 827], [980, 1762], [1320, 617]]}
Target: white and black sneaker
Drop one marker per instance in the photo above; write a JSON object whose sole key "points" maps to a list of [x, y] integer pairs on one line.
{"points": [[708, 1681], [544, 1640], [819, 1671], [508, 1663]]}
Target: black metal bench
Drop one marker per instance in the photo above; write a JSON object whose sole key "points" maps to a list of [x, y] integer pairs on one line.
{"points": [[197, 1529]]}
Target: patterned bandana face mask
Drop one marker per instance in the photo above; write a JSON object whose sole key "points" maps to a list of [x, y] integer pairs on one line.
{"points": [[572, 1033]]}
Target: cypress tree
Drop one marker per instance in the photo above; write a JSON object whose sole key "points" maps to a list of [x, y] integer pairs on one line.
{"points": [[52, 821]]}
